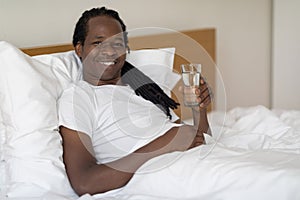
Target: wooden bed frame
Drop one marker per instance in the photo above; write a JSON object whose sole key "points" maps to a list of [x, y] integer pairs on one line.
{"points": [[194, 46]]}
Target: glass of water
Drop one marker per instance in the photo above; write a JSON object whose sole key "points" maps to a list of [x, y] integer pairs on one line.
{"points": [[191, 80]]}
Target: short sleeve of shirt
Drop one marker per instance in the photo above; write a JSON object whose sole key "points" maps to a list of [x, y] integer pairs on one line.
{"points": [[75, 110]]}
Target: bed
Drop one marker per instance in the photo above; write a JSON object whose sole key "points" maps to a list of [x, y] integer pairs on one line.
{"points": [[253, 153]]}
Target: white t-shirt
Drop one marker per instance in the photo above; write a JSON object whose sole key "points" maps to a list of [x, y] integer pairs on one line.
{"points": [[114, 117]]}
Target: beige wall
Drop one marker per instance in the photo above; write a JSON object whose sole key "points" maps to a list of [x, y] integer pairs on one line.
{"points": [[243, 33], [286, 54]]}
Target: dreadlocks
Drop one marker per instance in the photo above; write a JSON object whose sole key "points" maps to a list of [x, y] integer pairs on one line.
{"points": [[136, 79], [147, 88]]}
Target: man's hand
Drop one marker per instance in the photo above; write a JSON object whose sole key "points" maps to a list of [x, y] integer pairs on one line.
{"points": [[204, 94]]}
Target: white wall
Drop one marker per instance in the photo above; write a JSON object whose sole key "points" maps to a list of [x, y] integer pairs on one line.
{"points": [[243, 33], [286, 55]]}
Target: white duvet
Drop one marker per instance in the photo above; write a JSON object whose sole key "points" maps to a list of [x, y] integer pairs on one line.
{"points": [[253, 154]]}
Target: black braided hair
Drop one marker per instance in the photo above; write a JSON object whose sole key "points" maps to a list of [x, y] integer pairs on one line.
{"points": [[147, 88], [141, 83]]}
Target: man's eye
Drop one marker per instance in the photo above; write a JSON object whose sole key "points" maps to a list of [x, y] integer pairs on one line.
{"points": [[119, 44], [97, 42]]}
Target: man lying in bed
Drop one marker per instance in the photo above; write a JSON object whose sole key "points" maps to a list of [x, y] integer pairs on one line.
{"points": [[108, 131]]}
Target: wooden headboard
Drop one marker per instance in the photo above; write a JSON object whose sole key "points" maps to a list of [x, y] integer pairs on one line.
{"points": [[196, 46]]}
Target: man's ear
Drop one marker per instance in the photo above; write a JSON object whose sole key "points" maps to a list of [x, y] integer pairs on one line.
{"points": [[78, 50]]}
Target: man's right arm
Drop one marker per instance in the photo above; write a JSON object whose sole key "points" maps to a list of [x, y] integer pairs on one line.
{"points": [[86, 176]]}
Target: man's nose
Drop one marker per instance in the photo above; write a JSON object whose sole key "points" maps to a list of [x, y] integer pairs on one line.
{"points": [[108, 49]]}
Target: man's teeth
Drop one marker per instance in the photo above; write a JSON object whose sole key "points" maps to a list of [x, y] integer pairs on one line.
{"points": [[107, 63]]}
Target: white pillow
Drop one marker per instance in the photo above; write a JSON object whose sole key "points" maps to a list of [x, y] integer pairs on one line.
{"points": [[2, 163], [157, 64], [32, 151], [67, 66]]}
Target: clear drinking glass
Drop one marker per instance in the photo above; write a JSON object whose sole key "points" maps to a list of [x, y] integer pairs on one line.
{"points": [[191, 79]]}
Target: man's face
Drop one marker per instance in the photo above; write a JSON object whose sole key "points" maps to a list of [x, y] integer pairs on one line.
{"points": [[103, 53]]}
